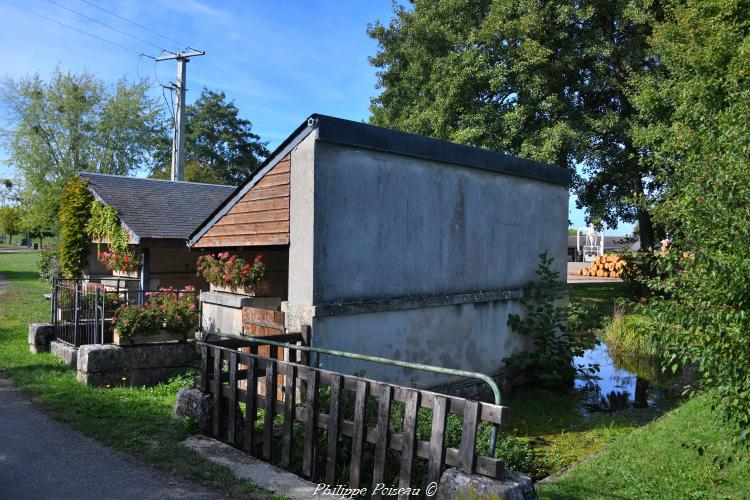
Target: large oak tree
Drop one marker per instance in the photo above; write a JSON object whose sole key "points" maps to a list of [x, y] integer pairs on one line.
{"points": [[548, 80]]}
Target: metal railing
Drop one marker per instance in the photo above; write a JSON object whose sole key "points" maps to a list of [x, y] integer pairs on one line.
{"points": [[82, 310]]}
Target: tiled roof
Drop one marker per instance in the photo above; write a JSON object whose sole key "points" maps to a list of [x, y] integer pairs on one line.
{"points": [[154, 208]]}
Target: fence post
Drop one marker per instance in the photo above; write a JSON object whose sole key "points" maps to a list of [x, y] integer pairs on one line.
{"points": [[97, 296], [52, 301], [75, 314]]}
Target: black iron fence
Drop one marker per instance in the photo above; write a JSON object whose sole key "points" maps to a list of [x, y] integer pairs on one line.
{"points": [[82, 310]]}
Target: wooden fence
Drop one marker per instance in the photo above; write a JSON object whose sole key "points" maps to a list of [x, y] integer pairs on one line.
{"points": [[226, 373]]}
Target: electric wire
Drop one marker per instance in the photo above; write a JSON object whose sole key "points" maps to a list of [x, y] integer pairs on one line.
{"points": [[28, 11], [169, 105], [94, 20], [87, 2]]}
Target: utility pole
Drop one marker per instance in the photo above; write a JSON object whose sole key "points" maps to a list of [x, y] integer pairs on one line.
{"points": [[178, 143]]}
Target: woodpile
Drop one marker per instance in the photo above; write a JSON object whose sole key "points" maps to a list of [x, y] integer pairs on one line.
{"points": [[605, 266]]}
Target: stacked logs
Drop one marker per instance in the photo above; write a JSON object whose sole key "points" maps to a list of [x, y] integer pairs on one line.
{"points": [[605, 266]]}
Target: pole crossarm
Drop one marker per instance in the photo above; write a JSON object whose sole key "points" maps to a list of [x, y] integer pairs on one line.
{"points": [[181, 55]]}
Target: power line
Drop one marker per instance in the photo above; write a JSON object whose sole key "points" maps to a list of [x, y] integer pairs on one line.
{"points": [[94, 20], [135, 23], [78, 30]]}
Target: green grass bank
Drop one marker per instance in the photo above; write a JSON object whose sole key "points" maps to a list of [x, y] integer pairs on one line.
{"points": [[132, 420]]}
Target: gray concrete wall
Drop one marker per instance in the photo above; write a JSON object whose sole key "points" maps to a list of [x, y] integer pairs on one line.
{"points": [[471, 336], [388, 225], [302, 223]]}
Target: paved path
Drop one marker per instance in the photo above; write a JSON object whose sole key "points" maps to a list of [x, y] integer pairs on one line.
{"points": [[41, 458]]}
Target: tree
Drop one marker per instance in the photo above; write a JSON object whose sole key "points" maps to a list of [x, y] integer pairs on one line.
{"points": [[695, 121], [9, 222], [75, 213], [544, 80], [220, 147], [74, 123], [7, 191]]}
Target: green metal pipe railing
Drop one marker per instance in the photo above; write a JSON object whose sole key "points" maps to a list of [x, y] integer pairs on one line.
{"points": [[375, 359]]}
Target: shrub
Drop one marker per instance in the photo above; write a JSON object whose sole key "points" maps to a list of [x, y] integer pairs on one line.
{"points": [[132, 320], [546, 324], [177, 310], [516, 453], [49, 263], [75, 212], [631, 334], [230, 270], [173, 310]]}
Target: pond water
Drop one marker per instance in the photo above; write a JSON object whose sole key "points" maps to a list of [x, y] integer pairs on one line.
{"points": [[619, 384]]}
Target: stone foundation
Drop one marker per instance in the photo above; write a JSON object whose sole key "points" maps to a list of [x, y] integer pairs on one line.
{"points": [[64, 352], [40, 336], [457, 484], [103, 365]]}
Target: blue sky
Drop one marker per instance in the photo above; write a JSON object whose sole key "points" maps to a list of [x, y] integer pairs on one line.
{"points": [[279, 61]]}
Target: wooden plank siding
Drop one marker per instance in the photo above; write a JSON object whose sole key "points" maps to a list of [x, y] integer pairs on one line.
{"points": [[259, 218]]}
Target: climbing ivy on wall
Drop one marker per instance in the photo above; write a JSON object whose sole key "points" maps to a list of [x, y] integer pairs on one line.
{"points": [[104, 226], [75, 211]]}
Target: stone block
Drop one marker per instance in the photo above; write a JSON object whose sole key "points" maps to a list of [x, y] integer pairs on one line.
{"points": [[192, 403], [102, 365], [64, 352], [40, 336], [457, 484]]}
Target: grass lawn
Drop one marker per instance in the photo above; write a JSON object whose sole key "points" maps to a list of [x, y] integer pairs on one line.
{"points": [[560, 433], [133, 420], [653, 463]]}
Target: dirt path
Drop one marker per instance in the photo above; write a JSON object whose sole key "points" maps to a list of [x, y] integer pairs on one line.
{"points": [[41, 458]]}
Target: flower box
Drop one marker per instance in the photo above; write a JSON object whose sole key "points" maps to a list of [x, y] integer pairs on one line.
{"points": [[260, 289], [162, 337]]}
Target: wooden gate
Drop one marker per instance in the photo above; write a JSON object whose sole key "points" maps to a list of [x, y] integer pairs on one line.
{"points": [[345, 429]]}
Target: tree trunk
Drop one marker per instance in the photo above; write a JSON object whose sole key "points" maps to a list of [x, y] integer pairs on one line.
{"points": [[645, 229], [645, 226]]}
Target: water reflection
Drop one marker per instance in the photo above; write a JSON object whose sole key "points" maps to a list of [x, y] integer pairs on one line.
{"points": [[613, 388]]}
